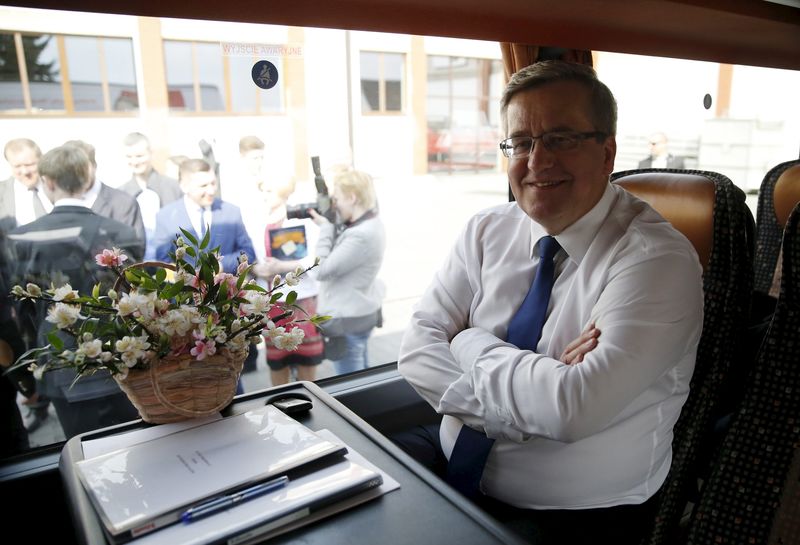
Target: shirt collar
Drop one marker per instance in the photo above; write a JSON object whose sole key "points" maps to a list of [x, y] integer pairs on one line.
{"points": [[193, 207], [70, 201], [19, 186], [576, 238]]}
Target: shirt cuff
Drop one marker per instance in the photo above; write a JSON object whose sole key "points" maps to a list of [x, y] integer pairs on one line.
{"points": [[470, 344]]}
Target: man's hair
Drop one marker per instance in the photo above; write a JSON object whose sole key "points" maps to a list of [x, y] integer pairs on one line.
{"points": [[191, 166], [250, 143], [134, 138], [355, 182], [87, 148], [21, 144], [602, 105], [68, 167]]}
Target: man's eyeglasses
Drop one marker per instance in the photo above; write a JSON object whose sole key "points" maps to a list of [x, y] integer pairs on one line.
{"points": [[518, 147]]}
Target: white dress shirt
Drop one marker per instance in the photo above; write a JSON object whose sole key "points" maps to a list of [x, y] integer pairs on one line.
{"points": [[23, 202], [590, 435], [195, 212]]}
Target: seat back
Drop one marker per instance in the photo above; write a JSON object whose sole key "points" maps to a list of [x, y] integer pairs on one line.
{"points": [[769, 230], [711, 212], [753, 492]]}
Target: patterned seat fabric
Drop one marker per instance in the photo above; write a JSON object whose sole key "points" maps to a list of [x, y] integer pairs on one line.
{"points": [[768, 230], [727, 284], [753, 494]]}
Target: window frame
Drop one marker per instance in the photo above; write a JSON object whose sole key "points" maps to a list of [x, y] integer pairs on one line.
{"points": [[66, 83]]}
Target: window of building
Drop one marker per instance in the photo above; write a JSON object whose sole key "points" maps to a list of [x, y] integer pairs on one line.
{"points": [[382, 82], [201, 79], [101, 75], [462, 112]]}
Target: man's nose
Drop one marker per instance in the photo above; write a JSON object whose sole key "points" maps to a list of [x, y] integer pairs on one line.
{"points": [[540, 157]]}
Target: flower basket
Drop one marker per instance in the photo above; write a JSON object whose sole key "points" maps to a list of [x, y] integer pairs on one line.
{"points": [[175, 388], [175, 342]]}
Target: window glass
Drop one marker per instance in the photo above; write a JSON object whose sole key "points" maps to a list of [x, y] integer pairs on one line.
{"points": [[270, 99], [741, 135], [84, 73], [370, 82], [212, 78], [44, 71], [243, 92], [393, 76], [11, 97], [119, 65], [180, 75]]}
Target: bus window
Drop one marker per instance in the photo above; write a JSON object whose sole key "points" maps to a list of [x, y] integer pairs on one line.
{"points": [[419, 114]]}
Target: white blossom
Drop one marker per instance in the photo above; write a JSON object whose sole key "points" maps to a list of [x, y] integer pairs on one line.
{"points": [[91, 348], [63, 315], [33, 290], [291, 279], [65, 293]]}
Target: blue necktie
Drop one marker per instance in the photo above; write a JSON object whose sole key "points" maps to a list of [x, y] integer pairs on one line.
{"points": [[472, 447]]}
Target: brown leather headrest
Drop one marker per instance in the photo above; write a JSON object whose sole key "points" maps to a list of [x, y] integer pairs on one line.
{"points": [[786, 194], [685, 200]]}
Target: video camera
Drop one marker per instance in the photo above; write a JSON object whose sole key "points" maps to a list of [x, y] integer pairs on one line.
{"points": [[322, 206]]}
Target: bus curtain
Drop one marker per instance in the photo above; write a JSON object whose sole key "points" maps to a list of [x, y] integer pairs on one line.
{"points": [[517, 56]]}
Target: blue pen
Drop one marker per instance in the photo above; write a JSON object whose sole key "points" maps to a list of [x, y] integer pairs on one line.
{"points": [[218, 504]]}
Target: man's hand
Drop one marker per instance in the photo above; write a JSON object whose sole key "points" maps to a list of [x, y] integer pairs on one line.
{"points": [[577, 349]]}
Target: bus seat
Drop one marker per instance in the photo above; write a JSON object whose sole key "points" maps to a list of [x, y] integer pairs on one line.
{"points": [[768, 229], [686, 200], [711, 211], [753, 493]]}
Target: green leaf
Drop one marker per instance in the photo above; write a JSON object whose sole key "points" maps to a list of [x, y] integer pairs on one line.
{"points": [[253, 287], [161, 275], [172, 290], [191, 251], [275, 297], [96, 291], [291, 298], [55, 341], [206, 239], [189, 236]]}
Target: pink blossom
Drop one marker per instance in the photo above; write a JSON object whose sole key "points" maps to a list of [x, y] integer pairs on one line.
{"points": [[111, 258], [203, 348]]}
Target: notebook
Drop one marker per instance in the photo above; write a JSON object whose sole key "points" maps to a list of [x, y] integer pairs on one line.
{"points": [[147, 486]]}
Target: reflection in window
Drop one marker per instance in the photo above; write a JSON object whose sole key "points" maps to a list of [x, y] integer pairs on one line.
{"points": [[44, 72], [180, 75], [120, 72], [382, 82], [11, 96], [463, 117], [84, 73], [96, 67]]}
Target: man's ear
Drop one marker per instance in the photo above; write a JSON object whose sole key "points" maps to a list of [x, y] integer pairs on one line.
{"points": [[610, 153], [49, 184]]}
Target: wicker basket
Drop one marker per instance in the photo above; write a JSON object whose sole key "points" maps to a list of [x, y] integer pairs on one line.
{"points": [[179, 387]]}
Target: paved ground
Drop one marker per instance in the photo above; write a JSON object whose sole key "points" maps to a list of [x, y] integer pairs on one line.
{"points": [[423, 215]]}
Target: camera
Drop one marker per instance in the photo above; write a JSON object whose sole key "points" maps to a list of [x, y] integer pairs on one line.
{"points": [[322, 206]]}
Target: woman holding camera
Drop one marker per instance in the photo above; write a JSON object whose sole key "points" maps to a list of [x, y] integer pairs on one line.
{"points": [[351, 253]]}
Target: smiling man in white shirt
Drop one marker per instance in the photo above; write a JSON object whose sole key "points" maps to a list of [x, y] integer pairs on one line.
{"points": [[582, 421]]}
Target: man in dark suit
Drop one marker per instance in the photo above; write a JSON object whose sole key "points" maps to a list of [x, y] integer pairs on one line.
{"points": [[659, 155], [59, 248], [200, 209], [151, 189], [107, 201]]}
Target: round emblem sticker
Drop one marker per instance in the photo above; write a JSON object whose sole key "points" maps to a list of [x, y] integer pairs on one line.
{"points": [[265, 75]]}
